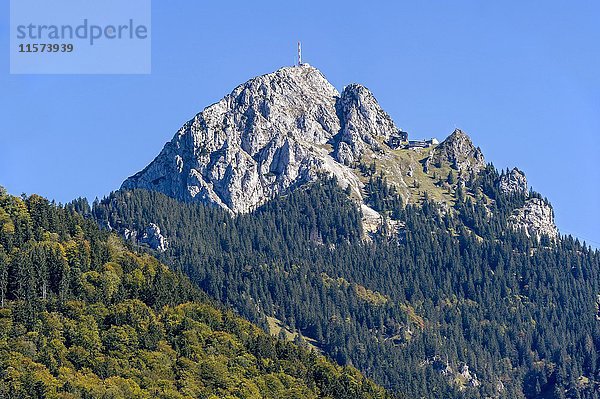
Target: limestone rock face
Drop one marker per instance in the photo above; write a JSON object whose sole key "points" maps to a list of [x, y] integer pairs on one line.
{"points": [[458, 150], [153, 238], [264, 138], [536, 218], [513, 182], [150, 236], [362, 122]]}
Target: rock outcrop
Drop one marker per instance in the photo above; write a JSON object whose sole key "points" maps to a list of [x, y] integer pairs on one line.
{"points": [[513, 181], [459, 152], [536, 218], [362, 122], [266, 137], [151, 236], [462, 377]]}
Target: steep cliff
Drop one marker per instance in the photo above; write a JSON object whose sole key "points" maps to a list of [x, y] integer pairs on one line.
{"points": [[267, 136]]}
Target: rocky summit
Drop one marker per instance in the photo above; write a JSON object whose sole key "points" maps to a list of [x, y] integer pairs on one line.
{"points": [[459, 151], [362, 121], [535, 218], [281, 130], [267, 136], [513, 181]]}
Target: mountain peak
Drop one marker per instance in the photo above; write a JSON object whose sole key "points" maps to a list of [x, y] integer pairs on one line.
{"points": [[458, 134], [360, 110], [513, 181], [264, 137], [362, 121], [280, 130], [459, 151], [304, 77]]}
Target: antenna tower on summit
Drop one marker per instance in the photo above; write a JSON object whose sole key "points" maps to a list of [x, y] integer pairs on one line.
{"points": [[299, 53]]}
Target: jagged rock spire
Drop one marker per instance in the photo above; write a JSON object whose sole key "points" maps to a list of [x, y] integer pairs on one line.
{"points": [[458, 150], [362, 122]]}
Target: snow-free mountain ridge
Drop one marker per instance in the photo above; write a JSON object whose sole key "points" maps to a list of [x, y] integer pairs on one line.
{"points": [[281, 130]]}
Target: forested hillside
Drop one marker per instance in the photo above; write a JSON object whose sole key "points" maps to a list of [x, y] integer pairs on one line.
{"points": [[81, 316], [453, 303]]}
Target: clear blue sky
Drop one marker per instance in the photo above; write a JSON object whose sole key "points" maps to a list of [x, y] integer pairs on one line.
{"points": [[522, 78]]}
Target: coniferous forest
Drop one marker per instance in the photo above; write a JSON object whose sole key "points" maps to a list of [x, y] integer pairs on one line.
{"points": [[452, 304], [82, 316]]}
